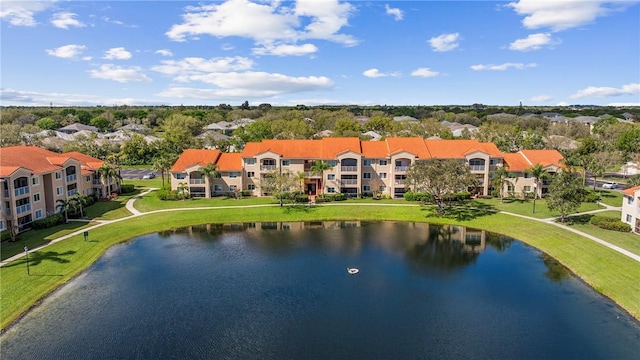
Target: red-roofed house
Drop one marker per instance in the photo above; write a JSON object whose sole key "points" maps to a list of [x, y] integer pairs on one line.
{"points": [[631, 208], [34, 179], [355, 166]]}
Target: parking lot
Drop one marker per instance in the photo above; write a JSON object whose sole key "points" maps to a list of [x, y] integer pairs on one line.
{"points": [[136, 174]]}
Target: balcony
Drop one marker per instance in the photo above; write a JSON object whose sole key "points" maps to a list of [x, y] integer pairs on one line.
{"points": [[349, 181], [309, 174], [197, 181], [21, 191], [402, 168], [349, 168], [97, 182], [267, 167], [400, 181], [6, 193], [72, 177], [72, 192], [23, 208], [477, 167]]}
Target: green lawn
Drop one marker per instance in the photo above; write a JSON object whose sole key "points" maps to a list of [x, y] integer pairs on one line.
{"points": [[611, 197], [109, 209], [628, 241], [525, 207], [146, 184], [34, 238], [609, 272]]}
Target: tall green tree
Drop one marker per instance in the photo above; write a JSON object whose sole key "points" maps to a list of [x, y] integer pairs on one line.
{"points": [[440, 178], [179, 131], [80, 201], [280, 185], [109, 175], [162, 163], [64, 206], [318, 168], [565, 193], [210, 171], [501, 177]]}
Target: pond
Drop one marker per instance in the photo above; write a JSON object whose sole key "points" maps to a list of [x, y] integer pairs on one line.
{"points": [[282, 291]]}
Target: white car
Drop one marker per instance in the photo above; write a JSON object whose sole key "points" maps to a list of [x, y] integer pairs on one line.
{"points": [[609, 185], [149, 176]]}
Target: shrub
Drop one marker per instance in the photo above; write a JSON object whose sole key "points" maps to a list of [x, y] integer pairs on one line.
{"points": [[5, 235], [301, 198], [591, 196], [246, 193], [418, 196], [48, 222], [608, 223], [127, 188], [165, 194], [459, 196]]}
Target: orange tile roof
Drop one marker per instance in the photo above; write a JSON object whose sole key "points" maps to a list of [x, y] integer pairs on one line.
{"points": [[332, 146], [325, 148], [458, 149], [8, 170], [230, 162], [516, 162], [375, 149], [36, 159], [414, 145], [191, 157], [543, 157], [631, 191], [87, 161]]}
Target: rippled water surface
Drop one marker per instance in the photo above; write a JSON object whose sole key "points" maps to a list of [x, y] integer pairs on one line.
{"points": [[281, 291]]}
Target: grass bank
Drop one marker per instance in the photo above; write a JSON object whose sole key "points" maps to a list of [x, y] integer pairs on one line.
{"points": [[609, 272]]}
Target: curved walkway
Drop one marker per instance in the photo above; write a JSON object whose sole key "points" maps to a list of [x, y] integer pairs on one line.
{"points": [[135, 213]]}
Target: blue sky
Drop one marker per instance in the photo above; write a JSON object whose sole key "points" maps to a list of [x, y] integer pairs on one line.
{"points": [[316, 52]]}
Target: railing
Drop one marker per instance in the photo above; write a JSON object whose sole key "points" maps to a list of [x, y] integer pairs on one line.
{"points": [[97, 182], [6, 193], [349, 168], [402, 168], [72, 192], [349, 181], [21, 191], [72, 177], [267, 167], [197, 181], [400, 181], [546, 182], [309, 174], [198, 194], [23, 208], [477, 167]]}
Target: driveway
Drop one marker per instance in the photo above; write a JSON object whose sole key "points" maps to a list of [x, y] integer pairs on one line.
{"points": [[135, 174]]}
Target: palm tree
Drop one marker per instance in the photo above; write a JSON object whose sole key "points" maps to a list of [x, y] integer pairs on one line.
{"points": [[501, 176], [80, 201], [210, 171], [319, 168], [162, 163], [183, 190], [301, 176], [537, 173], [108, 174], [64, 205]]}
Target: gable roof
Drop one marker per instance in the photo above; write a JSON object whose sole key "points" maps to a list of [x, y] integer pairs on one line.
{"points": [[413, 145], [458, 149], [325, 148], [230, 162], [543, 157], [516, 162], [87, 161], [34, 158], [631, 191], [191, 157], [78, 127]]}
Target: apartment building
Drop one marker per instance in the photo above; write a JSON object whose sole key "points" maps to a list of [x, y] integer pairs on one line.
{"points": [[34, 179], [631, 208], [519, 164], [355, 166]]}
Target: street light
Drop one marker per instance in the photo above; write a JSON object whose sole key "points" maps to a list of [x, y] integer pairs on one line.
{"points": [[26, 252]]}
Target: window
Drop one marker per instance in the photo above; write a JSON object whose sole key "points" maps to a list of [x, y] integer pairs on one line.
{"points": [[286, 162], [251, 187], [38, 213], [382, 175], [527, 175], [629, 201], [366, 175], [331, 190], [217, 188], [527, 188], [367, 162], [59, 190], [1, 224], [232, 187], [510, 187], [180, 176], [366, 188], [251, 174], [36, 197], [87, 178], [331, 176], [251, 161], [58, 175], [233, 175], [383, 188], [35, 180], [629, 218], [332, 162], [383, 162]]}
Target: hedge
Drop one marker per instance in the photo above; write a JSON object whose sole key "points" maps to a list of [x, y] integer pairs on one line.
{"points": [[608, 223]]}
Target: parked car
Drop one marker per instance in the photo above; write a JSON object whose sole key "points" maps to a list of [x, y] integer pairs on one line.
{"points": [[610, 185], [149, 176]]}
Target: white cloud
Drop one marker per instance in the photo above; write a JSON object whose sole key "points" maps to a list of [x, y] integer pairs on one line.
{"points": [[118, 53], [64, 20], [119, 74], [592, 91], [21, 13], [67, 51], [444, 42], [198, 66], [424, 72], [285, 50], [395, 12], [164, 52], [625, 104], [565, 14], [33, 98], [267, 23], [541, 98], [249, 85], [532, 42], [375, 73], [503, 67]]}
